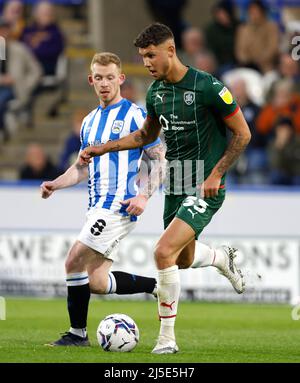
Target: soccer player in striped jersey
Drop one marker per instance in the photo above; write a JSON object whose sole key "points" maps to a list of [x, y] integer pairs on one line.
{"points": [[194, 110], [115, 201]]}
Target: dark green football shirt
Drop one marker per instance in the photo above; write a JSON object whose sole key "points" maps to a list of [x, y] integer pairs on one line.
{"points": [[191, 113]]}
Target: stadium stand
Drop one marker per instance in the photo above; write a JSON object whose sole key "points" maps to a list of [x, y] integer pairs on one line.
{"points": [[67, 90]]}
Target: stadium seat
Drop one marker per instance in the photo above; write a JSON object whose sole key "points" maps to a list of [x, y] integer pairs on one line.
{"points": [[19, 114], [57, 82]]}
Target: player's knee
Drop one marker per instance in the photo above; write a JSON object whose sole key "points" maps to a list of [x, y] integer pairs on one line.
{"points": [[74, 262], [97, 288], [98, 285], [162, 253]]}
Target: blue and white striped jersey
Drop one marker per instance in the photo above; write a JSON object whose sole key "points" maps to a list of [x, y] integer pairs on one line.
{"points": [[112, 177]]}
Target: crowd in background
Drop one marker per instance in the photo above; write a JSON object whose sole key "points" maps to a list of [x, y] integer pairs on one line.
{"points": [[32, 52], [253, 57]]}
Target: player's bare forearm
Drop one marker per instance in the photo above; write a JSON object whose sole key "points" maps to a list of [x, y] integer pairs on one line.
{"points": [[75, 174], [240, 138], [237, 145], [132, 141], [142, 137], [72, 176], [158, 170]]}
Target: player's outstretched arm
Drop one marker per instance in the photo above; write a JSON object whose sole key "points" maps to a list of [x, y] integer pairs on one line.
{"points": [[137, 205], [240, 138], [72, 176], [142, 137]]}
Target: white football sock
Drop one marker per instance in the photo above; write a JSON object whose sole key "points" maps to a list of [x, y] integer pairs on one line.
{"points": [[111, 284], [205, 256], [78, 331], [168, 297]]}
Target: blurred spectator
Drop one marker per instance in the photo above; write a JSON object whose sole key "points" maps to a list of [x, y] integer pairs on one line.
{"points": [[6, 82], [20, 74], [292, 30], [284, 103], [206, 62], [72, 143], [129, 91], [37, 165], [253, 164], [284, 152], [220, 34], [257, 42], [44, 37], [169, 13], [288, 68], [248, 107], [13, 13], [193, 43]]}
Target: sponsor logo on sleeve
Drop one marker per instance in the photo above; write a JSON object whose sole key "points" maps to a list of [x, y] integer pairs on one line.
{"points": [[226, 96]]}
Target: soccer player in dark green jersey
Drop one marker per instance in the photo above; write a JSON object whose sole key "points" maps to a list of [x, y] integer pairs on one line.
{"points": [[194, 110]]}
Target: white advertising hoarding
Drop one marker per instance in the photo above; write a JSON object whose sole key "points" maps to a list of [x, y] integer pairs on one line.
{"points": [[33, 263], [35, 236]]}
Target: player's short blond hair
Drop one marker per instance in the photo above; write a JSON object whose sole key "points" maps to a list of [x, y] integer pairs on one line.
{"points": [[106, 58]]}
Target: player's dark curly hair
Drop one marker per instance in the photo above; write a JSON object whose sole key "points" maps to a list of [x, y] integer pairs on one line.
{"points": [[153, 34]]}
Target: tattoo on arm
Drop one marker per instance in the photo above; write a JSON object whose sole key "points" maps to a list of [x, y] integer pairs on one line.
{"points": [[115, 148], [236, 146], [156, 152], [134, 140], [158, 170], [141, 137]]}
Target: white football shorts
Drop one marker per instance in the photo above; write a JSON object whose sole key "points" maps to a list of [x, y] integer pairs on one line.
{"points": [[104, 230]]}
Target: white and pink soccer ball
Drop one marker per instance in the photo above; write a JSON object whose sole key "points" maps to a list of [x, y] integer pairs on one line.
{"points": [[118, 333]]}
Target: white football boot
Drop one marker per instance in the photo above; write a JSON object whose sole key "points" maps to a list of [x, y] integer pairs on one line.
{"points": [[165, 346], [227, 267]]}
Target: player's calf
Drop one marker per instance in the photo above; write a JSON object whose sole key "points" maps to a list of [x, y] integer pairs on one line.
{"points": [[118, 282]]}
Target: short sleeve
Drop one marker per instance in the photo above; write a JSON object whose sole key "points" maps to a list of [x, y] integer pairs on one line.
{"points": [[138, 122], [154, 143], [149, 103], [217, 96], [82, 143], [138, 119]]}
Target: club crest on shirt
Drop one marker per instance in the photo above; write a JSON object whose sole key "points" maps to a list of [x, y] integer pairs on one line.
{"points": [[226, 96], [189, 97], [117, 126]]}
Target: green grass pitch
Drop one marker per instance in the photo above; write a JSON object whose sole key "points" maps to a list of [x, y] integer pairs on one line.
{"points": [[206, 332]]}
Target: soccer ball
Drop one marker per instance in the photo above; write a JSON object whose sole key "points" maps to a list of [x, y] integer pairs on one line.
{"points": [[118, 332]]}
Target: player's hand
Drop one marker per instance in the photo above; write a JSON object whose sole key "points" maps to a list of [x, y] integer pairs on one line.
{"points": [[136, 205], [89, 152], [210, 187], [47, 189]]}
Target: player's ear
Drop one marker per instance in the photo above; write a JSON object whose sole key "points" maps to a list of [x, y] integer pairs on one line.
{"points": [[122, 78], [171, 50], [90, 79]]}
